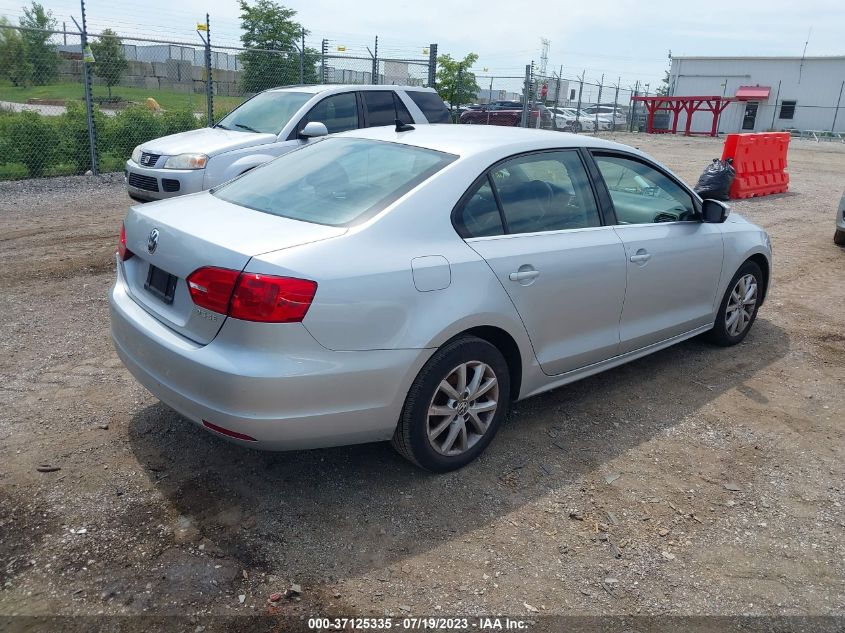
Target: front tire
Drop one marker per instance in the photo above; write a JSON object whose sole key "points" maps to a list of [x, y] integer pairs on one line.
{"points": [[455, 405], [839, 237], [738, 309]]}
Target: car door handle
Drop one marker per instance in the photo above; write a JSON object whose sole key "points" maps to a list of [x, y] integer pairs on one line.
{"points": [[524, 275], [640, 257]]}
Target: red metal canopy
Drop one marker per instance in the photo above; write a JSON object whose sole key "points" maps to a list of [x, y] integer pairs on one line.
{"points": [[746, 93], [690, 105]]}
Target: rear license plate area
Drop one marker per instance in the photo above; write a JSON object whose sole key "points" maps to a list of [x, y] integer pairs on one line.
{"points": [[161, 284]]}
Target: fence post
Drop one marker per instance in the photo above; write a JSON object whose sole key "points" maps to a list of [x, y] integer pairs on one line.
{"points": [[432, 66], [209, 80], [836, 111], [526, 93], [601, 85], [633, 107], [375, 62], [324, 72], [580, 92], [89, 99], [557, 98], [302, 59], [615, 105]]}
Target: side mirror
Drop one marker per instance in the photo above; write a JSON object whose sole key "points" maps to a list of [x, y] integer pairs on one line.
{"points": [[714, 212], [313, 129]]}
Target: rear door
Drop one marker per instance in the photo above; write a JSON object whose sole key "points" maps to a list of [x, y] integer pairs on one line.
{"points": [[535, 220], [674, 259]]}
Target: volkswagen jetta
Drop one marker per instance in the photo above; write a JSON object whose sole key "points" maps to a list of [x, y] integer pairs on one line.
{"points": [[409, 284]]}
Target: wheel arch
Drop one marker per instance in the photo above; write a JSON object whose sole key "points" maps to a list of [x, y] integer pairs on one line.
{"points": [[763, 263], [507, 345]]}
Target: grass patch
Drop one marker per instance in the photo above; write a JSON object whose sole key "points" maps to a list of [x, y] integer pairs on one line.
{"points": [[167, 99]]}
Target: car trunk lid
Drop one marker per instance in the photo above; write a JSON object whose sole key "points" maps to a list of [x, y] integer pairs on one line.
{"points": [[171, 239]]}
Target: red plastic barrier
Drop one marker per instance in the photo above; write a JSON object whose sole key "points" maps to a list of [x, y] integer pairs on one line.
{"points": [[760, 163]]}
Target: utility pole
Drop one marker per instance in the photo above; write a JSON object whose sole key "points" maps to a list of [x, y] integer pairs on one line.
{"points": [[557, 96], [615, 102], [375, 62], [634, 106], [324, 50]]}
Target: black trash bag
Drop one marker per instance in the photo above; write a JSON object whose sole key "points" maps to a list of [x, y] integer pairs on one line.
{"points": [[715, 182]]}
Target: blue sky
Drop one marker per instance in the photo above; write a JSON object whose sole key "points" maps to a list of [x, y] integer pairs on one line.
{"points": [[627, 38]]}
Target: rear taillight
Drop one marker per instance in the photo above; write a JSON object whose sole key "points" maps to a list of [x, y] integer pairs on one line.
{"points": [[252, 296], [212, 288], [122, 251]]}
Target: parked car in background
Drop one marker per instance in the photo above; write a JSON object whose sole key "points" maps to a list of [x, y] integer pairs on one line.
{"points": [[266, 126], [411, 285], [839, 236], [607, 112], [508, 113], [568, 119]]}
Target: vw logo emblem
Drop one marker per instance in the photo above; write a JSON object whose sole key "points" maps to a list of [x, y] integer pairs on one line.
{"points": [[152, 241]]}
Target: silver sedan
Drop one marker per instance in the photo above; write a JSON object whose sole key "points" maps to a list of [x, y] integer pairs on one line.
{"points": [[408, 285]]}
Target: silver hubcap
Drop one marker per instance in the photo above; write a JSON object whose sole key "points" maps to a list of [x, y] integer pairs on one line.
{"points": [[462, 408], [741, 305]]}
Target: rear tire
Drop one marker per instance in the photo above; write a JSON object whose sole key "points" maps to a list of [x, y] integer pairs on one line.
{"points": [[839, 237], [451, 415], [738, 309]]}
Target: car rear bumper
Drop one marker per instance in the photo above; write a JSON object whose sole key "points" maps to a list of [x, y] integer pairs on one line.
{"points": [[271, 382], [146, 183]]}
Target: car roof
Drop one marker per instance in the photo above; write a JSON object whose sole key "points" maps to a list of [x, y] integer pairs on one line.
{"points": [[319, 88], [467, 140]]}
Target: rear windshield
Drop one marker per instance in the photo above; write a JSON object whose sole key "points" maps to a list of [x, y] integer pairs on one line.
{"points": [[432, 106], [267, 112], [335, 181]]}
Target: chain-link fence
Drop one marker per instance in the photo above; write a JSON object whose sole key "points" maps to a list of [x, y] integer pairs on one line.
{"points": [[142, 89], [553, 102]]}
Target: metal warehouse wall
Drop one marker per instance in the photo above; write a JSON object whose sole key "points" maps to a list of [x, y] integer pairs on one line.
{"points": [[814, 84]]}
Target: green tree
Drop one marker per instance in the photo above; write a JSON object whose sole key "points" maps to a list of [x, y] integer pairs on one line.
{"points": [[110, 62], [455, 83], [273, 37], [39, 51], [14, 64], [663, 88]]}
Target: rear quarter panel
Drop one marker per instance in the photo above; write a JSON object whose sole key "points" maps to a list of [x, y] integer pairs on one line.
{"points": [[366, 297]]}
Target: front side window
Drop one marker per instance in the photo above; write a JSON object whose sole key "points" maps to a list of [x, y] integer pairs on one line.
{"points": [[338, 113], [335, 181], [549, 191], [641, 194], [384, 107], [267, 112]]}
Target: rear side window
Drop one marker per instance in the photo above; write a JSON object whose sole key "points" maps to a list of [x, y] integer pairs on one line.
{"points": [[384, 107], [335, 181], [479, 215], [549, 191], [432, 106]]}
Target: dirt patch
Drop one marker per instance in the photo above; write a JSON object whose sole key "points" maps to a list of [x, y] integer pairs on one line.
{"points": [[695, 481]]}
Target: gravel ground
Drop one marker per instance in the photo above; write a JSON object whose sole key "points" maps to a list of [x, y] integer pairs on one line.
{"points": [[695, 481]]}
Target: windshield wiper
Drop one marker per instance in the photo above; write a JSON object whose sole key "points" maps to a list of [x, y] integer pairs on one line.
{"points": [[246, 127], [221, 126]]}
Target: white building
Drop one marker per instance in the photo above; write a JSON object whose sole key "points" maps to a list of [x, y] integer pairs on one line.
{"points": [[772, 93]]}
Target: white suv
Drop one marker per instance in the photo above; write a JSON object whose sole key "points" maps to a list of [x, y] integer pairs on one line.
{"points": [[266, 126]]}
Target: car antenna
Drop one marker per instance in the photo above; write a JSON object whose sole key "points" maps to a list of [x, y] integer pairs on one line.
{"points": [[403, 127]]}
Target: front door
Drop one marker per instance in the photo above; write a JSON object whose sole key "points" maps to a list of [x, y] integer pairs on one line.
{"points": [[674, 260], [749, 119], [535, 221]]}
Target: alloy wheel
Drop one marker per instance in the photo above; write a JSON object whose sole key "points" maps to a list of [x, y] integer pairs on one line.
{"points": [[463, 407], [741, 304]]}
